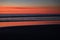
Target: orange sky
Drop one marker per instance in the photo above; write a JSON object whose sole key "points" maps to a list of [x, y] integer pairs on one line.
{"points": [[27, 10]]}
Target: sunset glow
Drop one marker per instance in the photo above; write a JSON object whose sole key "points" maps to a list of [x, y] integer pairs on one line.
{"points": [[29, 7], [29, 10]]}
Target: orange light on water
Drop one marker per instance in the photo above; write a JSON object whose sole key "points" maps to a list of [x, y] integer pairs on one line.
{"points": [[7, 24]]}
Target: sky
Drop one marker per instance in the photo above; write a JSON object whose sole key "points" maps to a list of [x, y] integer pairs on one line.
{"points": [[30, 3], [14, 6]]}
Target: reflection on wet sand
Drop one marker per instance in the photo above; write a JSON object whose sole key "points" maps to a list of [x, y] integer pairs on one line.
{"points": [[7, 24]]}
